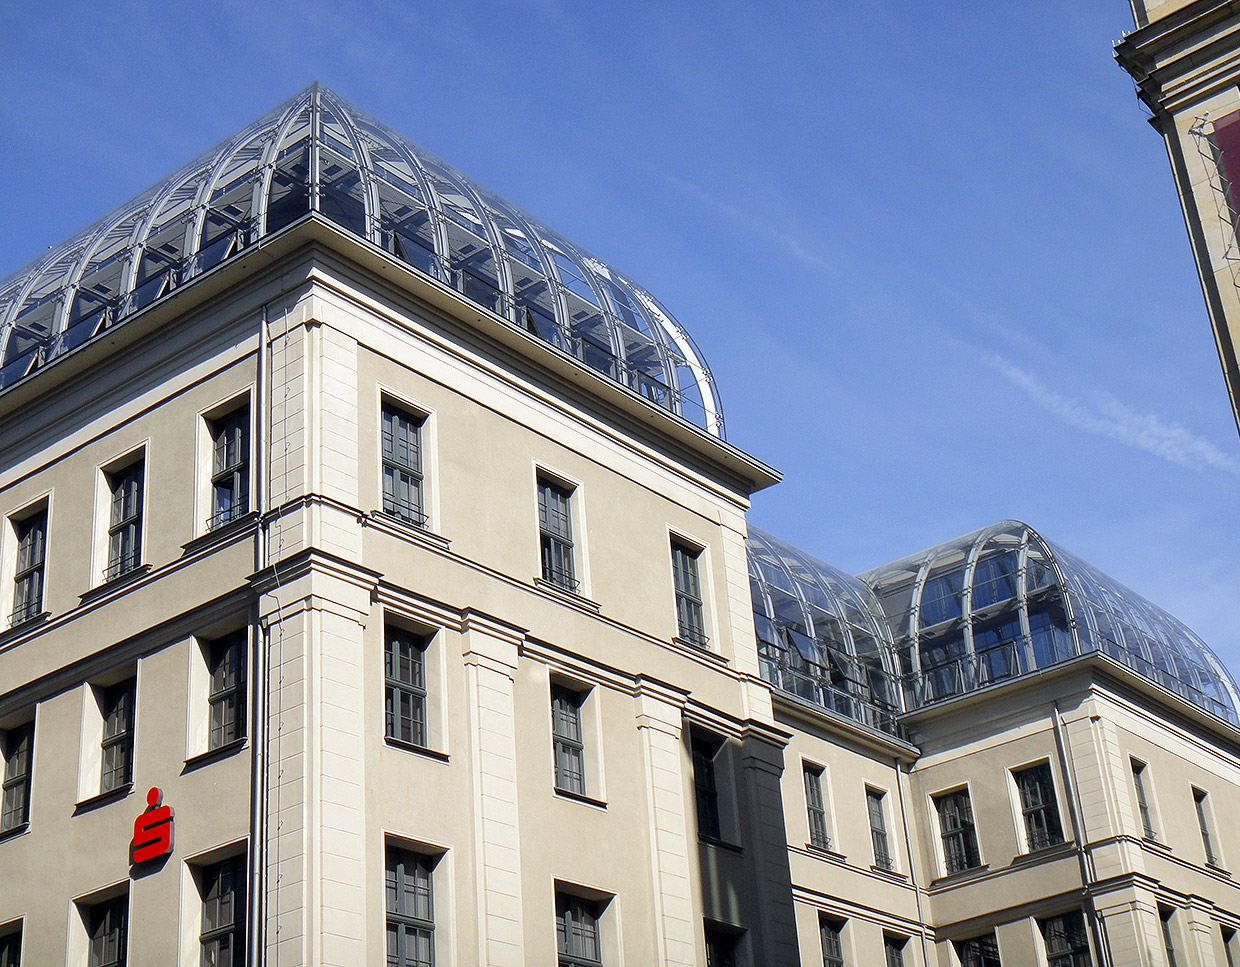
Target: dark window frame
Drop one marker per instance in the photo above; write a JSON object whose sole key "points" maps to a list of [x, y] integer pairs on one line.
{"points": [[555, 533], [404, 480], [721, 947], [893, 949], [117, 704], [1039, 806], [578, 939], [222, 887], [706, 787], [957, 831], [30, 569], [15, 808], [230, 466], [406, 696], [1066, 940], [1165, 916], [409, 892], [568, 741], [980, 951], [227, 693], [107, 932], [126, 487], [1203, 824], [831, 939], [687, 582], [11, 947], [1143, 802], [815, 806], [876, 812]]}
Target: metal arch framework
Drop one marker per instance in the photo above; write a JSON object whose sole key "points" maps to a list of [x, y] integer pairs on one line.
{"points": [[821, 633], [1003, 601], [316, 152]]}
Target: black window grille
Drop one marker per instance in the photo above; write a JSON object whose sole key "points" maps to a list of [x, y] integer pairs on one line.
{"points": [[689, 621], [125, 522], [410, 910], [117, 706], [570, 770], [556, 534], [1039, 806], [226, 700], [405, 686], [576, 932], [402, 466], [18, 747], [31, 557], [222, 939], [815, 807], [960, 850], [230, 467]]}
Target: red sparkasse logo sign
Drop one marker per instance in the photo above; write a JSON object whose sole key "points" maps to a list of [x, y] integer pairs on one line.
{"points": [[152, 831]]}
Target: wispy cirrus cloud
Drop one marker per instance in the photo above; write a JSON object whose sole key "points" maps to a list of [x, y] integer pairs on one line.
{"points": [[1108, 417]]}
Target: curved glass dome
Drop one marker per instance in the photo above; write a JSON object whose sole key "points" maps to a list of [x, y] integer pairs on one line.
{"points": [[821, 633], [318, 153], [1003, 601]]}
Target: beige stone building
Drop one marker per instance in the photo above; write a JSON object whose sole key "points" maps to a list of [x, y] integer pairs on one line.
{"points": [[1185, 58], [382, 594]]}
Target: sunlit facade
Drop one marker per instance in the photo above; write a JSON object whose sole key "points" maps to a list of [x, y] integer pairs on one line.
{"points": [[382, 592]]}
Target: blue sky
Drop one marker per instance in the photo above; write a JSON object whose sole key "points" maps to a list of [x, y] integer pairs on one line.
{"points": [[932, 253]]}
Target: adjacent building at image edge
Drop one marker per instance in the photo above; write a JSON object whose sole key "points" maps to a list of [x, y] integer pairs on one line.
{"points": [[381, 593]]}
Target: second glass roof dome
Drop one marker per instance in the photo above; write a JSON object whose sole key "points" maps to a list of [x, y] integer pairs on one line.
{"points": [[992, 605], [316, 152]]}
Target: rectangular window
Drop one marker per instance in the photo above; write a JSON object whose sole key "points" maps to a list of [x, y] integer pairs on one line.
{"points": [[876, 809], [893, 949], [125, 520], [1067, 944], [1203, 823], [1039, 806], [830, 932], [31, 536], [402, 465], [223, 914], [106, 929], [410, 910], [11, 949], [1165, 916], [956, 827], [720, 948], [815, 807], [978, 951], [230, 467], [706, 789], [689, 622], [1143, 803], [18, 756], [226, 664], [556, 534], [1231, 946], [117, 706], [576, 932], [570, 750], [404, 670]]}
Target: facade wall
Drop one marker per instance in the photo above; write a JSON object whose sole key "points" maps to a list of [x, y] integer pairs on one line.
{"points": [[320, 578]]}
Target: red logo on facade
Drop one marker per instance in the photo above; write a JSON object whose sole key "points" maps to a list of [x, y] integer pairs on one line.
{"points": [[152, 831]]}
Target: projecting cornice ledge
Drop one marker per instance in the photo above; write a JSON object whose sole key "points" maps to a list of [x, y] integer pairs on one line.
{"points": [[1184, 57]]}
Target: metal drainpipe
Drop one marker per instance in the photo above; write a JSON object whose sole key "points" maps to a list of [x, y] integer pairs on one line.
{"points": [[259, 665], [912, 865], [1096, 926]]}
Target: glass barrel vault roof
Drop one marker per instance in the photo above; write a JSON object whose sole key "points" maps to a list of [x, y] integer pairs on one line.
{"points": [[316, 152], [995, 604]]}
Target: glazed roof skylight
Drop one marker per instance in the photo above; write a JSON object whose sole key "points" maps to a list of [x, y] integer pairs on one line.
{"points": [[318, 152], [993, 605]]}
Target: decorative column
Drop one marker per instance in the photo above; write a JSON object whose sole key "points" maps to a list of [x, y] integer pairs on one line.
{"points": [[491, 652], [659, 723]]}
